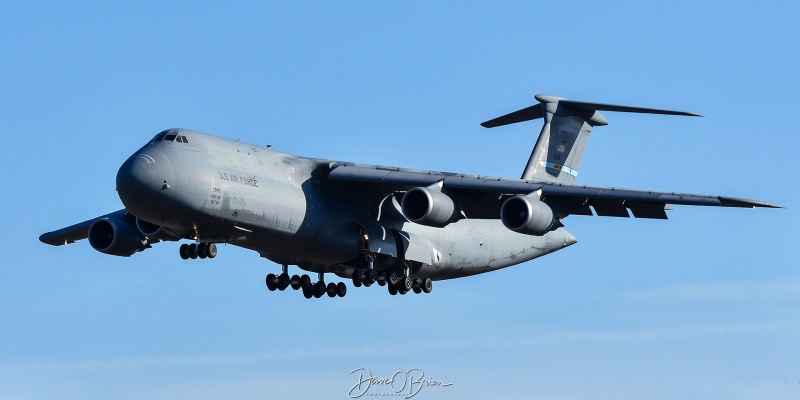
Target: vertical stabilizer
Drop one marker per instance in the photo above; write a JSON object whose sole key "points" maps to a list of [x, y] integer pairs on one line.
{"points": [[557, 154]]}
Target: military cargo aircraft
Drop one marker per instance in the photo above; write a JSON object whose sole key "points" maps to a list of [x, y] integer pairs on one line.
{"points": [[397, 227]]}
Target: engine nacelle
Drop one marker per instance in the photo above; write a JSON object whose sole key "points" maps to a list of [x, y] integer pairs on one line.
{"points": [[426, 206], [116, 237], [528, 215], [153, 231]]}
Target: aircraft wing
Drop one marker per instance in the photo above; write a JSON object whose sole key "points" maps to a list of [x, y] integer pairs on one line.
{"points": [[481, 196], [76, 232]]}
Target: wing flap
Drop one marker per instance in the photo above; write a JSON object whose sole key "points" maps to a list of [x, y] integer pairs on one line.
{"points": [[644, 209], [610, 208]]}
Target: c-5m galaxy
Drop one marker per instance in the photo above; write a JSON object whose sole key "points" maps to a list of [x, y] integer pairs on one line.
{"points": [[401, 228]]}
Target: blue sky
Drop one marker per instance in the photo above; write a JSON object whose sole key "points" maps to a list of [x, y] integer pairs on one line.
{"points": [[703, 306]]}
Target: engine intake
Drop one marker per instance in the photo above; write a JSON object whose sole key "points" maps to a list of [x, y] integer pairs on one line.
{"points": [[116, 237], [426, 206], [528, 215]]}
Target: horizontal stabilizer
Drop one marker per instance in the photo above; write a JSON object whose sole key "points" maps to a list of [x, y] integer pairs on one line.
{"points": [[526, 114], [537, 111], [582, 105], [562, 140]]}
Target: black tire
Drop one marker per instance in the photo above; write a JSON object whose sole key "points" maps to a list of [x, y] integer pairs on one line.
{"points": [[406, 284], [305, 282], [193, 251], [427, 285], [212, 250], [380, 277], [202, 250], [341, 289], [401, 290], [308, 292], [295, 282], [283, 281], [272, 282], [357, 278], [319, 289], [184, 251], [392, 289], [370, 279], [331, 289], [416, 283], [417, 290], [392, 278]]}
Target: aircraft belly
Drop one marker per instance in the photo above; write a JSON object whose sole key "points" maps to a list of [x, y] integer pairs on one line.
{"points": [[470, 247]]}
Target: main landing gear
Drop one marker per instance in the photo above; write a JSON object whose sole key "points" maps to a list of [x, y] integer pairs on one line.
{"points": [[316, 289], [198, 250], [396, 283]]}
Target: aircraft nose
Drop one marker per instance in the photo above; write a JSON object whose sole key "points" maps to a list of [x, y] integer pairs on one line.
{"points": [[143, 183]]}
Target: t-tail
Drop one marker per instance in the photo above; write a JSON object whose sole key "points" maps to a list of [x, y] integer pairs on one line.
{"points": [[557, 154]]}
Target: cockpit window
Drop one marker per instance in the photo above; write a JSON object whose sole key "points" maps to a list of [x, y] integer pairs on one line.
{"points": [[168, 135]]}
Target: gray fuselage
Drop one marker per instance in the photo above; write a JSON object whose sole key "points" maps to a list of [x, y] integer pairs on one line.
{"points": [[212, 189]]}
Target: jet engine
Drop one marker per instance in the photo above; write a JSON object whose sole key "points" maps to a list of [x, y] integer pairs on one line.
{"points": [[528, 215], [427, 206], [116, 237]]}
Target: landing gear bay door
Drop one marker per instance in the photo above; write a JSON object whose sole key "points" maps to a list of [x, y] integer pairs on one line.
{"points": [[378, 240], [418, 250]]}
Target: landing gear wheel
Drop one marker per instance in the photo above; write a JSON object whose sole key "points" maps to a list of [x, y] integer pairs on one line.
{"points": [[402, 290], [427, 285], [341, 289], [381, 278], [308, 292], [370, 279], [202, 250], [193, 251], [184, 251], [331, 289], [392, 278], [272, 282], [295, 282], [357, 278], [406, 284], [319, 289], [417, 290], [283, 281], [305, 282], [212, 250], [392, 289]]}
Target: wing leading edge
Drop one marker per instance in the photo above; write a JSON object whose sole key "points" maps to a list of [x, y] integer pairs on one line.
{"points": [[76, 232], [564, 199]]}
